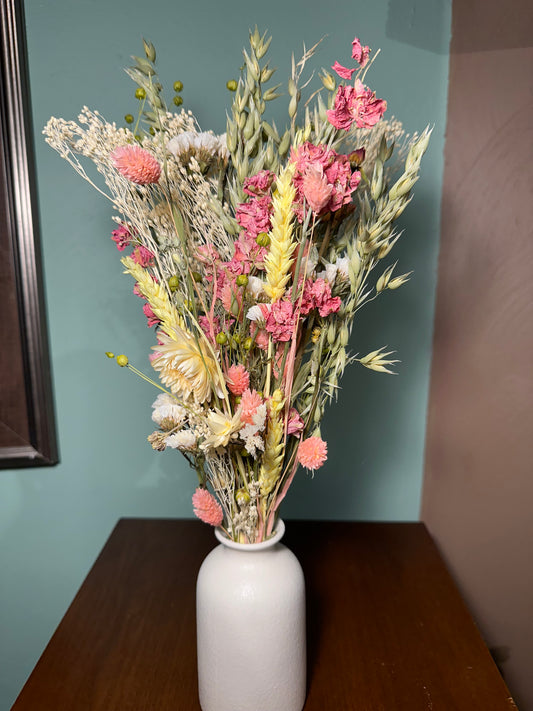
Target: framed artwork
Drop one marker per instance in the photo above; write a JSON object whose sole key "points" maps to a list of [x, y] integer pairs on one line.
{"points": [[27, 429]]}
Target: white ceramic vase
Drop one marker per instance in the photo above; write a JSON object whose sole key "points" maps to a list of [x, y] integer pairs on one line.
{"points": [[250, 612]]}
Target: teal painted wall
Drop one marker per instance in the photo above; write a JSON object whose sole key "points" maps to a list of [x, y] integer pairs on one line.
{"points": [[54, 521]]}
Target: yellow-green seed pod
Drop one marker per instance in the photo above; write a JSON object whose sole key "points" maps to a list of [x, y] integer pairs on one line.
{"points": [[231, 85], [122, 360], [177, 100], [221, 338], [173, 282], [109, 354], [128, 118], [197, 277], [178, 86], [140, 93], [242, 280], [247, 344]]}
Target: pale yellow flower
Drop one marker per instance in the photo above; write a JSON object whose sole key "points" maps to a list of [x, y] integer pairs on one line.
{"points": [[223, 429], [186, 367]]}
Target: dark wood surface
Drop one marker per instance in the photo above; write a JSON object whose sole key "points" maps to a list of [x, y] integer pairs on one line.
{"points": [[387, 628]]}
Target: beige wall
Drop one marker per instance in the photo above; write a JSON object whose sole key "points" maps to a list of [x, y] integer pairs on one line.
{"points": [[478, 491]]}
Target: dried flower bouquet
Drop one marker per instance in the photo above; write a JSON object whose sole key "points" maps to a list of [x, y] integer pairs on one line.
{"points": [[253, 252]]}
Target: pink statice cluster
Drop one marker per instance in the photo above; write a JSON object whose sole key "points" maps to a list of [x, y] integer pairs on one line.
{"points": [[324, 179]]}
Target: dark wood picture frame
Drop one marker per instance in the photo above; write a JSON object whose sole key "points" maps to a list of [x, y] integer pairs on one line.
{"points": [[27, 427]]}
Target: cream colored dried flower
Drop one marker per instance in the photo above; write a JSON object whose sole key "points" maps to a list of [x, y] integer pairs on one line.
{"points": [[186, 367], [223, 429]]}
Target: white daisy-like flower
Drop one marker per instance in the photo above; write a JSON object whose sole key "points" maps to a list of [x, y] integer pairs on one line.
{"points": [[184, 439], [166, 408]]}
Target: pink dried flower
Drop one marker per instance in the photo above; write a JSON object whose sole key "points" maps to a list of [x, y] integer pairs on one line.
{"points": [[210, 328], [359, 53], [142, 256], [317, 295], [260, 336], [250, 402], [237, 379], [343, 72], [280, 321], [122, 237], [258, 184], [254, 215], [136, 164], [315, 188], [295, 424], [152, 318], [356, 104], [206, 507], [319, 169], [312, 452], [207, 254]]}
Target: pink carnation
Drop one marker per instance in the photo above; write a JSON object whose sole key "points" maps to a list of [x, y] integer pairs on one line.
{"points": [[259, 184], [122, 237], [254, 216], [343, 72], [237, 379], [359, 53], [356, 104], [142, 256], [312, 452], [280, 321], [317, 295], [136, 164], [206, 507], [320, 171], [249, 403]]}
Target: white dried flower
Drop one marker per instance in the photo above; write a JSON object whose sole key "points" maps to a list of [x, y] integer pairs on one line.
{"points": [[166, 408], [184, 440]]}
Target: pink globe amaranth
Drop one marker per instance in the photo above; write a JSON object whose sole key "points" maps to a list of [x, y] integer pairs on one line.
{"points": [[136, 164], [312, 452]]}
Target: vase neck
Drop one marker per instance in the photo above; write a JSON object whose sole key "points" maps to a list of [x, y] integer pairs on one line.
{"points": [[251, 547]]}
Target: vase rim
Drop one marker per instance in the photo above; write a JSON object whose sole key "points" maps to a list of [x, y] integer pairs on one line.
{"points": [[251, 547]]}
